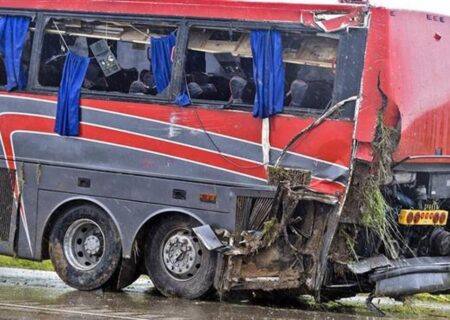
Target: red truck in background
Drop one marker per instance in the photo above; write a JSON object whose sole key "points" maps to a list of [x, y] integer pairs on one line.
{"points": [[345, 191]]}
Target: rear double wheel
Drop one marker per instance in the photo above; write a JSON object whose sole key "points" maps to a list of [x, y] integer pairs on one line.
{"points": [[85, 248], [176, 260]]}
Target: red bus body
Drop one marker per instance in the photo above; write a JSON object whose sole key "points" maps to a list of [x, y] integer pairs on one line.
{"points": [[403, 87]]}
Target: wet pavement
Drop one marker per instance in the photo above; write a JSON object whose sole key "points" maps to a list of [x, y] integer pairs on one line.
{"points": [[28, 294]]}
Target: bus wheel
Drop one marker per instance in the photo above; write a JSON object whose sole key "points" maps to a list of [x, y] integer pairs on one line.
{"points": [[177, 262], [84, 246]]}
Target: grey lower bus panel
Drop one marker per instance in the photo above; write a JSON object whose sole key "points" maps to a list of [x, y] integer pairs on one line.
{"points": [[130, 200], [129, 216]]}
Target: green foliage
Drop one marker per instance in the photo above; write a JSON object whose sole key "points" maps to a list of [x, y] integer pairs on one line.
{"points": [[270, 231], [440, 298], [375, 206], [350, 243], [386, 140], [374, 216]]}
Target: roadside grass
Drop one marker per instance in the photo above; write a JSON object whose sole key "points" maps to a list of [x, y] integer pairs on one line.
{"points": [[427, 297], [11, 262]]}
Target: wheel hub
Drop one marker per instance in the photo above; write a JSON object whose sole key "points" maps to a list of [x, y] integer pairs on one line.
{"points": [[92, 245], [181, 255]]}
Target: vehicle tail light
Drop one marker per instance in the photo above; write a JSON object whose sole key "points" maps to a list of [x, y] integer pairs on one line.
{"points": [[416, 217], [443, 217], [433, 217], [436, 218], [410, 217]]}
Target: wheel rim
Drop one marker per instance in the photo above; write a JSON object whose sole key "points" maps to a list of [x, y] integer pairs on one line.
{"points": [[84, 244], [181, 254]]}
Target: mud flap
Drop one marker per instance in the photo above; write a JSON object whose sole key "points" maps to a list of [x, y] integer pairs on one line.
{"points": [[127, 274]]}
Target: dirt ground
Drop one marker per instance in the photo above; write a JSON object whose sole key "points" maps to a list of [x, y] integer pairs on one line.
{"points": [[26, 294]]}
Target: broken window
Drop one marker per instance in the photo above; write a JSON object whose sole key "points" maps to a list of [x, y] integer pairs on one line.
{"points": [[310, 67], [219, 67], [25, 60], [118, 51]]}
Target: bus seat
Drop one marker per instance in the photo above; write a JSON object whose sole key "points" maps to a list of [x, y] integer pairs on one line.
{"points": [[237, 85], [205, 91], [298, 91], [195, 91]]}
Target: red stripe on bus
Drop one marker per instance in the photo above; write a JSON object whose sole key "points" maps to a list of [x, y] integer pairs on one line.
{"points": [[11, 123], [241, 125]]}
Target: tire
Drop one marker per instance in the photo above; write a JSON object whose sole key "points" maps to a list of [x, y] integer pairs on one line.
{"points": [[85, 248], [188, 273]]}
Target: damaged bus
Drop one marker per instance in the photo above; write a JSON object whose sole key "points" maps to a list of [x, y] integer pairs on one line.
{"points": [[227, 145]]}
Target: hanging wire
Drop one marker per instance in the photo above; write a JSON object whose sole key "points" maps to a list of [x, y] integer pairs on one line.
{"points": [[226, 158], [279, 158], [139, 31], [314, 124], [60, 35]]}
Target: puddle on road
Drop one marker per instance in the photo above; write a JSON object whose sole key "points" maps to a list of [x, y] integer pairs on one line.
{"points": [[44, 293], [132, 305]]}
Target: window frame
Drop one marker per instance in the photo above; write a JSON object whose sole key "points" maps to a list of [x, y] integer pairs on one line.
{"points": [[45, 17], [183, 26], [248, 26], [34, 17]]}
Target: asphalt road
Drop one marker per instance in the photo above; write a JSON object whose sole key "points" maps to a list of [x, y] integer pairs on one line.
{"points": [[41, 295]]}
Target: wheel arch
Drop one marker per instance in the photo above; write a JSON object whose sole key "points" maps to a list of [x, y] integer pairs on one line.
{"points": [[64, 206]]}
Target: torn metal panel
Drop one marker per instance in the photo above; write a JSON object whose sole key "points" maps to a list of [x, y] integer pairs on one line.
{"points": [[376, 55], [335, 22], [287, 245], [432, 282], [369, 264], [403, 277], [410, 276], [207, 236]]}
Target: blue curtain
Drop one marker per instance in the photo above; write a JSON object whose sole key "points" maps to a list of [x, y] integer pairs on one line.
{"points": [[161, 60], [68, 110], [161, 54], [13, 33], [183, 98], [268, 72]]}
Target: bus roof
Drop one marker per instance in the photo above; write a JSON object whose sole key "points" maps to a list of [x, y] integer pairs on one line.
{"points": [[256, 10]]}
